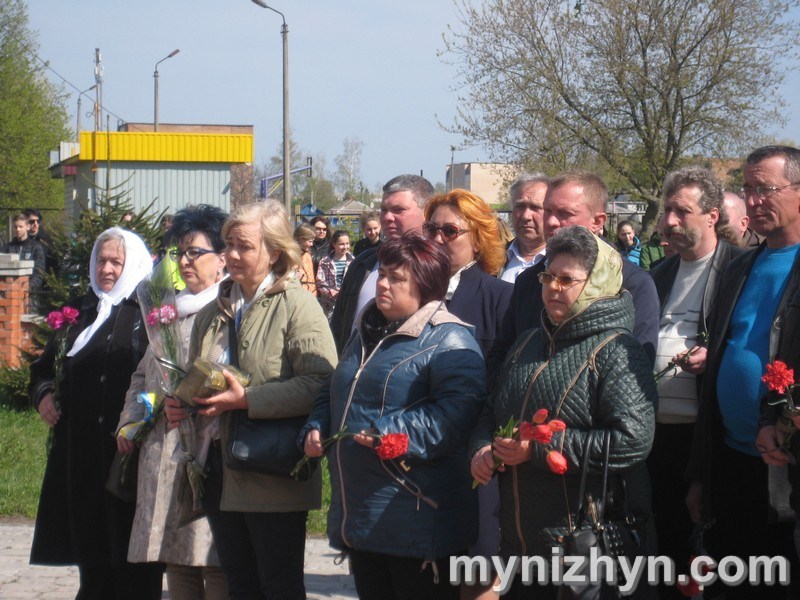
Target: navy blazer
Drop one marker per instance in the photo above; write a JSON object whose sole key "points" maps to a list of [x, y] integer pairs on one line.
{"points": [[482, 301]]}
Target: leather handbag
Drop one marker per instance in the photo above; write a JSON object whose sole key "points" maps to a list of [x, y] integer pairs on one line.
{"points": [[267, 446], [599, 525]]}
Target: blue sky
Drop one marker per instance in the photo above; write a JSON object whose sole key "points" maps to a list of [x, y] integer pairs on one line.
{"points": [[357, 69], [365, 69]]}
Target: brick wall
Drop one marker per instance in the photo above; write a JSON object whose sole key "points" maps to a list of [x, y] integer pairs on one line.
{"points": [[14, 304]]}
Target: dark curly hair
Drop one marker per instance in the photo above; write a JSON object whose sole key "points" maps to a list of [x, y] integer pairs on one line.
{"points": [[202, 218]]}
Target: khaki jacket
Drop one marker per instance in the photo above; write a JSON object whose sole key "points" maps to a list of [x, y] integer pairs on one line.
{"points": [[286, 346]]}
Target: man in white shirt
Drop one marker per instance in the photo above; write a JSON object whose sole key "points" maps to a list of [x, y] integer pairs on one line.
{"points": [[686, 284], [527, 205]]}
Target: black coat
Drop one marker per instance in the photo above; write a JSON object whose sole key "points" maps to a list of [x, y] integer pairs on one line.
{"points": [[78, 522], [482, 301], [344, 313]]}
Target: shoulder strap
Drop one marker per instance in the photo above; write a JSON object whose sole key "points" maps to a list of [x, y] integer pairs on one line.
{"points": [[233, 344]]}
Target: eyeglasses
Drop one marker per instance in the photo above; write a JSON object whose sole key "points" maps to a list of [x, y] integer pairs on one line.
{"points": [[563, 281], [321, 228], [762, 191], [33, 221], [192, 254], [449, 230]]}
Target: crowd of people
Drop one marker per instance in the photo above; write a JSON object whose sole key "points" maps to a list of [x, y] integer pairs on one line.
{"points": [[465, 390]]}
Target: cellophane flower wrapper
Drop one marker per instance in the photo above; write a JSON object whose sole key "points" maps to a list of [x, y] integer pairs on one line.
{"points": [[157, 301]]}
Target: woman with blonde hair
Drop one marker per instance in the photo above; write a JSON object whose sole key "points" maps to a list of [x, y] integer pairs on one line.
{"points": [[467, 230], [282, 340], [304, 236]]}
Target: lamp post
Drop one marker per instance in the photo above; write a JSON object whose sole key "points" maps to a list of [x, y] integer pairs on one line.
{"points": [[287, 167], [78, 126], [155, 87]]}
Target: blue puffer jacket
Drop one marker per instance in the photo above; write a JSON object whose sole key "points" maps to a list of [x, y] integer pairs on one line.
{"points": [[426, 380]]}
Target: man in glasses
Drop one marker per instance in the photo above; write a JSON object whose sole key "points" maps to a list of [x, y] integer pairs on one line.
{"points": [[687, 285], [27, 248], [576, 198], [527, 206], [401, 211], [740, 476]]}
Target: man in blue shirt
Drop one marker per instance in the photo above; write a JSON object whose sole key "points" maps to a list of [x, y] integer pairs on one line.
{"points": [[731, 482]]}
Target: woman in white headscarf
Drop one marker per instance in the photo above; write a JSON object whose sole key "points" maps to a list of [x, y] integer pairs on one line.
{"points": [[78, 521]]}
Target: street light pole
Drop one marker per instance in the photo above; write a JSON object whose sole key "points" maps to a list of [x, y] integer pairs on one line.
{"points": [[155, 87], [287, 167]]}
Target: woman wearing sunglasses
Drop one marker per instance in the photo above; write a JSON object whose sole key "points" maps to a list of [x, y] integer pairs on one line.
{"points": [[467, 230], [586, 369]]}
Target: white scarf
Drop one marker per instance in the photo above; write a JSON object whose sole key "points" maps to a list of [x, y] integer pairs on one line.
{"points": [[188, 303], [138, 264]]}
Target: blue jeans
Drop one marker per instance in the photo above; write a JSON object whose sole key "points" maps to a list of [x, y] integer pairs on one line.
{"points": [[261, 554]]}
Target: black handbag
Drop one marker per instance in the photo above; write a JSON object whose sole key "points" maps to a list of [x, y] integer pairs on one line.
{"points": [[597, 526], [267, 446]]}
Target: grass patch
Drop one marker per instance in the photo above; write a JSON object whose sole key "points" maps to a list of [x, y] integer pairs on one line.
{"points": [[318, 519], [22, 461]]}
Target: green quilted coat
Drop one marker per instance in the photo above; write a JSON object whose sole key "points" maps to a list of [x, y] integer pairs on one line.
{"points": [[592, 373]]}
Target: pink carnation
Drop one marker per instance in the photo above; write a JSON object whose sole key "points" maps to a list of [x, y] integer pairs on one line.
{"points": [[70, 314], [167, 314], [55, 320], [152, 317]]}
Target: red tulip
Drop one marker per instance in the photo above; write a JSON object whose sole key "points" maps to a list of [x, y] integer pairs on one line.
{"points": [[542, 434], [556, 462], [526, 432], [557, 425], [540, 416]]}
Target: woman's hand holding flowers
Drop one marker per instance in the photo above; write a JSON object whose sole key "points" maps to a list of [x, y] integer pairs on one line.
{"points": [[48, 411], [313, 444], [482, 465], [234, 398], [175, 411], [512, 452]]}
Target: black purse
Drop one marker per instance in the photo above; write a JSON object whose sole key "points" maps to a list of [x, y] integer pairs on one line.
{"points": [[597, 527], [267, 446]]}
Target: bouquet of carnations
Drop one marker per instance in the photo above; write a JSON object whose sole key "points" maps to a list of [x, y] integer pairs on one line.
{"points": [[59, 321]]}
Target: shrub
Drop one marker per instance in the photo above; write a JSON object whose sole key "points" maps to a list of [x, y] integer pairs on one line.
{"points": [[14, 387]]}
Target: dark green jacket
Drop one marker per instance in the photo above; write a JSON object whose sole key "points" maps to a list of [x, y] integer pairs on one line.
{"points": [[592, 373]]}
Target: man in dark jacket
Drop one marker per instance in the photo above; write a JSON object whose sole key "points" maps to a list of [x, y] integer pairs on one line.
{"points": [[687, 290], [27, 248], [753, 319], [401, 211], [576, 198]]}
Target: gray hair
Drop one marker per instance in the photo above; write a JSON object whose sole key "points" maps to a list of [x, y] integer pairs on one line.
{"points": [[575, 241], [711, 193], [791, 169], [110, 235], [419, 187], [524, 180]]}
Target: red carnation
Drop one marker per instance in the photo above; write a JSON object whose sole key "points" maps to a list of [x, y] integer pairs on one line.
{"points": [[556, 462], [392, 446], [557, 425], [540, 416], [542, 434], [778, 377], [526, 432]]}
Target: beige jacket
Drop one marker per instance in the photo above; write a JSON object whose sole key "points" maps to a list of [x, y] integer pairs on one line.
{"points": [[286, 346]]}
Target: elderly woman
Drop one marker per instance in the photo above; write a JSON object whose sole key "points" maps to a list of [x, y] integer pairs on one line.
{"points": [[413, 369], [78, 521], [285, 345], [583, 366], [467, 230], [193, 571]]}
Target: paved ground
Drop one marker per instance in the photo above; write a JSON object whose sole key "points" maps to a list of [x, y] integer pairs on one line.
{"points": [[21, 581]]}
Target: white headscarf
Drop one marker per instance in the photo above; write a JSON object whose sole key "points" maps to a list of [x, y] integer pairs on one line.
{"points": [[138, 264]]}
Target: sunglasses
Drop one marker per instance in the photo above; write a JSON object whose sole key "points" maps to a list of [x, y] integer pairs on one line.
{"points": [[33, 222], [192, 254], [449, 231], [563, 281]]}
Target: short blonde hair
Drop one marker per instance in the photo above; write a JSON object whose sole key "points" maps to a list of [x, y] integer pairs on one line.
{"points": [[276, 233]]}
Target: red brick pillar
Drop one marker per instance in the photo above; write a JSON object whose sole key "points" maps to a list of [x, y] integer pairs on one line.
{"points": [[14, 276]]}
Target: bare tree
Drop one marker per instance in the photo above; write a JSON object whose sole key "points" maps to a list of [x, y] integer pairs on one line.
{"points": [[348, 166], [636, 85]]}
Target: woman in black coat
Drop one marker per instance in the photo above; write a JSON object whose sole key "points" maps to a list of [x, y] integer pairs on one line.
{"points": [[78, 521]]}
